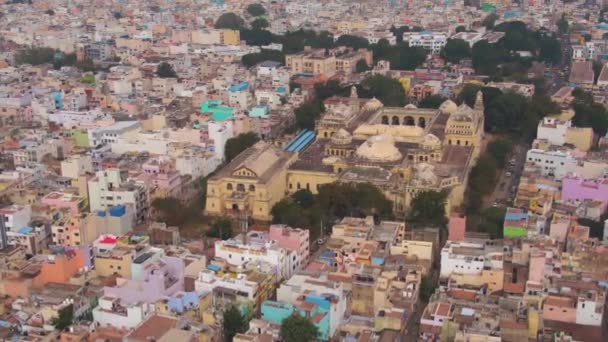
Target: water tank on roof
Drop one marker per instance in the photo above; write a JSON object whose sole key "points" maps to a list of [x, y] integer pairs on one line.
{"points": [[118, 210], [101, 213]]}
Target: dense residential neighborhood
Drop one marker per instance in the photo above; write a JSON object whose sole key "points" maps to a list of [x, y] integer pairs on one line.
{"points": [[265, 171]]}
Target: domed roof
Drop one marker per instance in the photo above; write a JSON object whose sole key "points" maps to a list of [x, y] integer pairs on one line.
{"points": [[448, 107], [341, 137], [410, 106], [373, 104], [424, 174], [430, 140], [380, 148]]}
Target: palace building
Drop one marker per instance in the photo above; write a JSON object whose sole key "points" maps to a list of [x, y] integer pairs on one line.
{"points": [[402, 150]]}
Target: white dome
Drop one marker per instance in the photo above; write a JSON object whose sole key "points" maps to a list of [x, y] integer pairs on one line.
{"points": [[424, 174], [341, 137], [448, 107], [410, 106], [430, 140], [373, 104], [380, 148]]}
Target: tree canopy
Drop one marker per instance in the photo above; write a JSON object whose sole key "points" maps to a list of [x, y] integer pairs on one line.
{"points": [[455, 50], [252, 59], [296, 328], [588, 113], [307, 114], [256, 10], [220, 228], [428, 208], [361, 66], [233, 323], [165, 70], [500, 149], [388, 90], [333, 201], [355, 42], [229, 21], [65, 318], [259, 23], [489, 21], [234, 146], [432, 101]]}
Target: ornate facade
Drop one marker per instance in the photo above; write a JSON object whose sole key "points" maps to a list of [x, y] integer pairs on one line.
{"points": [[404, 151]]}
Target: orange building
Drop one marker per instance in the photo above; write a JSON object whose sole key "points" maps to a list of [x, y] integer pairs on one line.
{"points": [[62, 268]]}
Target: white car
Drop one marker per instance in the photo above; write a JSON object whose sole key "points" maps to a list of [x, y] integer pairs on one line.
{"points": [[320, 241]]}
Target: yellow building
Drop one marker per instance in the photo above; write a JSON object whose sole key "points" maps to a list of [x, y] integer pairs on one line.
{"points": [[492, 278], [421, 250], [230, 37], [403, 151], [114, 262], [465, 126], [327, 62], [253, 182]]}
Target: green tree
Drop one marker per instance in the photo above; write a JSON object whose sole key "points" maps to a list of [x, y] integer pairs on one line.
{"points": [[288, 211], [461, 28], [167, 208], [258, 37], [428, 208], [304, 198], [432, 101], [492, 220], [562, 24], [65, 318], [481, 182], [354, 42], [550, 50], [388, 90], [221, 228], [117, 14], [382, 49], [49, 12], [256, 10], [165, 70], [489, 21], [296, 328], [233, 323], [234, 146], [88, 79], [486, 57], [252, 59], [229, 21], [455, 50], [361, 66], [426, 288], [307, 114], [328, 89], [259, 24], [35, 56], [500, 149]]}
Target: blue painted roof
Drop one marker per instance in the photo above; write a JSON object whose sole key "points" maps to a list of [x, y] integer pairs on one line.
{"points": [[300, 141], [239, 87], [515, 216], [26, 230]]}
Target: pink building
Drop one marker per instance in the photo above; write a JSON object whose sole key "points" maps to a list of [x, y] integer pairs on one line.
{"points": [[576, 189], [160, 279], [165, 178], [73, 202], [561, 309], [457, 228], [292, 239]]}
